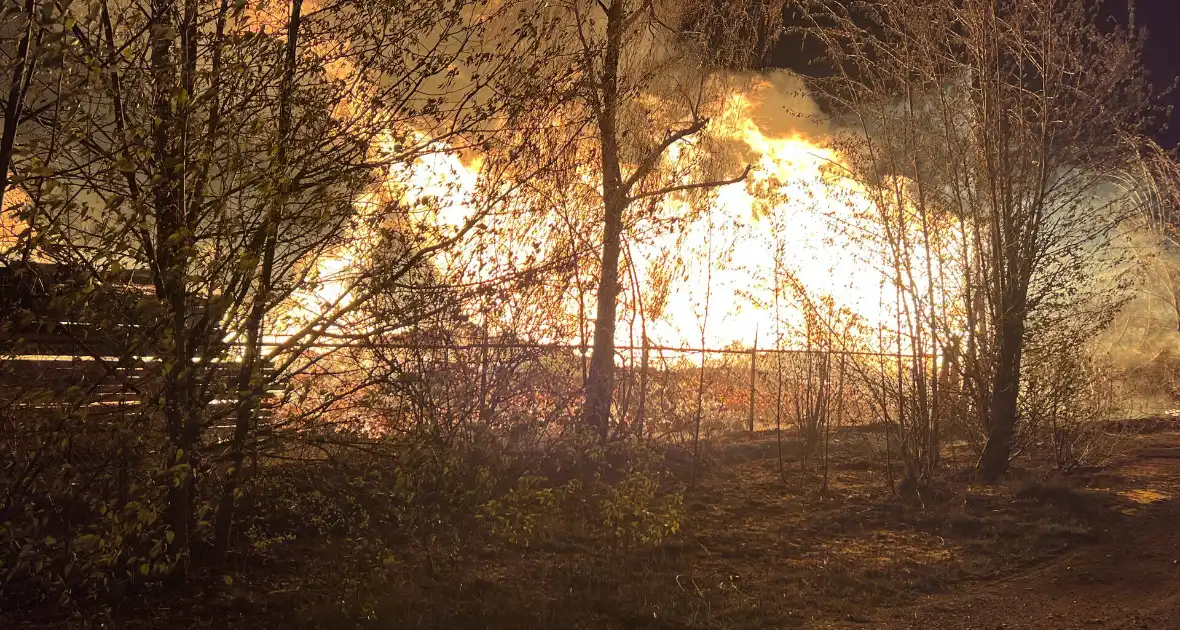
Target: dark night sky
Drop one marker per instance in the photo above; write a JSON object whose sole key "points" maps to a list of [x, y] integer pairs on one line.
{"points": [[1161, 18]]}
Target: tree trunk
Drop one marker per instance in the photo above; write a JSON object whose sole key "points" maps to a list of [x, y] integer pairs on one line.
{"points": [[251, 382], [1004, 395], [600, 384], [171, 285], [601, 379], [21, 72]]}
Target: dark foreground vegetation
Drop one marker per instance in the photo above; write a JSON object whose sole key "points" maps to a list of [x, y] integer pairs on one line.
{"points": [[396, 540]]}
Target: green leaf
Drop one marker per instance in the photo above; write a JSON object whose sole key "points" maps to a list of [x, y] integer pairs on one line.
{"points": [[229, 581]]}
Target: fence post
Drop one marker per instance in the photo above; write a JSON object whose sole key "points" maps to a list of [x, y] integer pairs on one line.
{"points": [[696, 428], [483, 373], [642, 410], [753, 377]]}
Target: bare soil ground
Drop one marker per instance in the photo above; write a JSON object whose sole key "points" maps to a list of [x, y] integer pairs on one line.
{"points": [[1129, 578], [1099, 549], [1088, 550]]}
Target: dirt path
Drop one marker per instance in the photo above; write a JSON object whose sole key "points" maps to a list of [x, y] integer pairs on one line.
{"points": [[1130, 578]]}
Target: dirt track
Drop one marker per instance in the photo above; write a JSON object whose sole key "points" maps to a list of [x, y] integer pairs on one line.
{"points": [[1130, 578]]}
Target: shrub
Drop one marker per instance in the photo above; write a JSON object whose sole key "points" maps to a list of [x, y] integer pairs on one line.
{"points": [[1067, 402], [635, 514], [81, 513]]}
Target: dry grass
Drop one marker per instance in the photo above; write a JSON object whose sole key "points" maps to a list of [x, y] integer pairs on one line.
{"points": [[760, 552], [755, 551]]}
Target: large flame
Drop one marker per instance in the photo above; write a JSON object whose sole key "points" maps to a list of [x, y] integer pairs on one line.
{"points": [[800, 228], [749, 248], [795, 230]]}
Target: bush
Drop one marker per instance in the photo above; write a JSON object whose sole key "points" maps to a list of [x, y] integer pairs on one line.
{"points": [[520, 514], [635, 514], [395, 489], [1067, 401], [81, 519]]}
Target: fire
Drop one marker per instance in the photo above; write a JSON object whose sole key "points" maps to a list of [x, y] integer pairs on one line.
{"points": [[795, 227], [12, 226]]}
